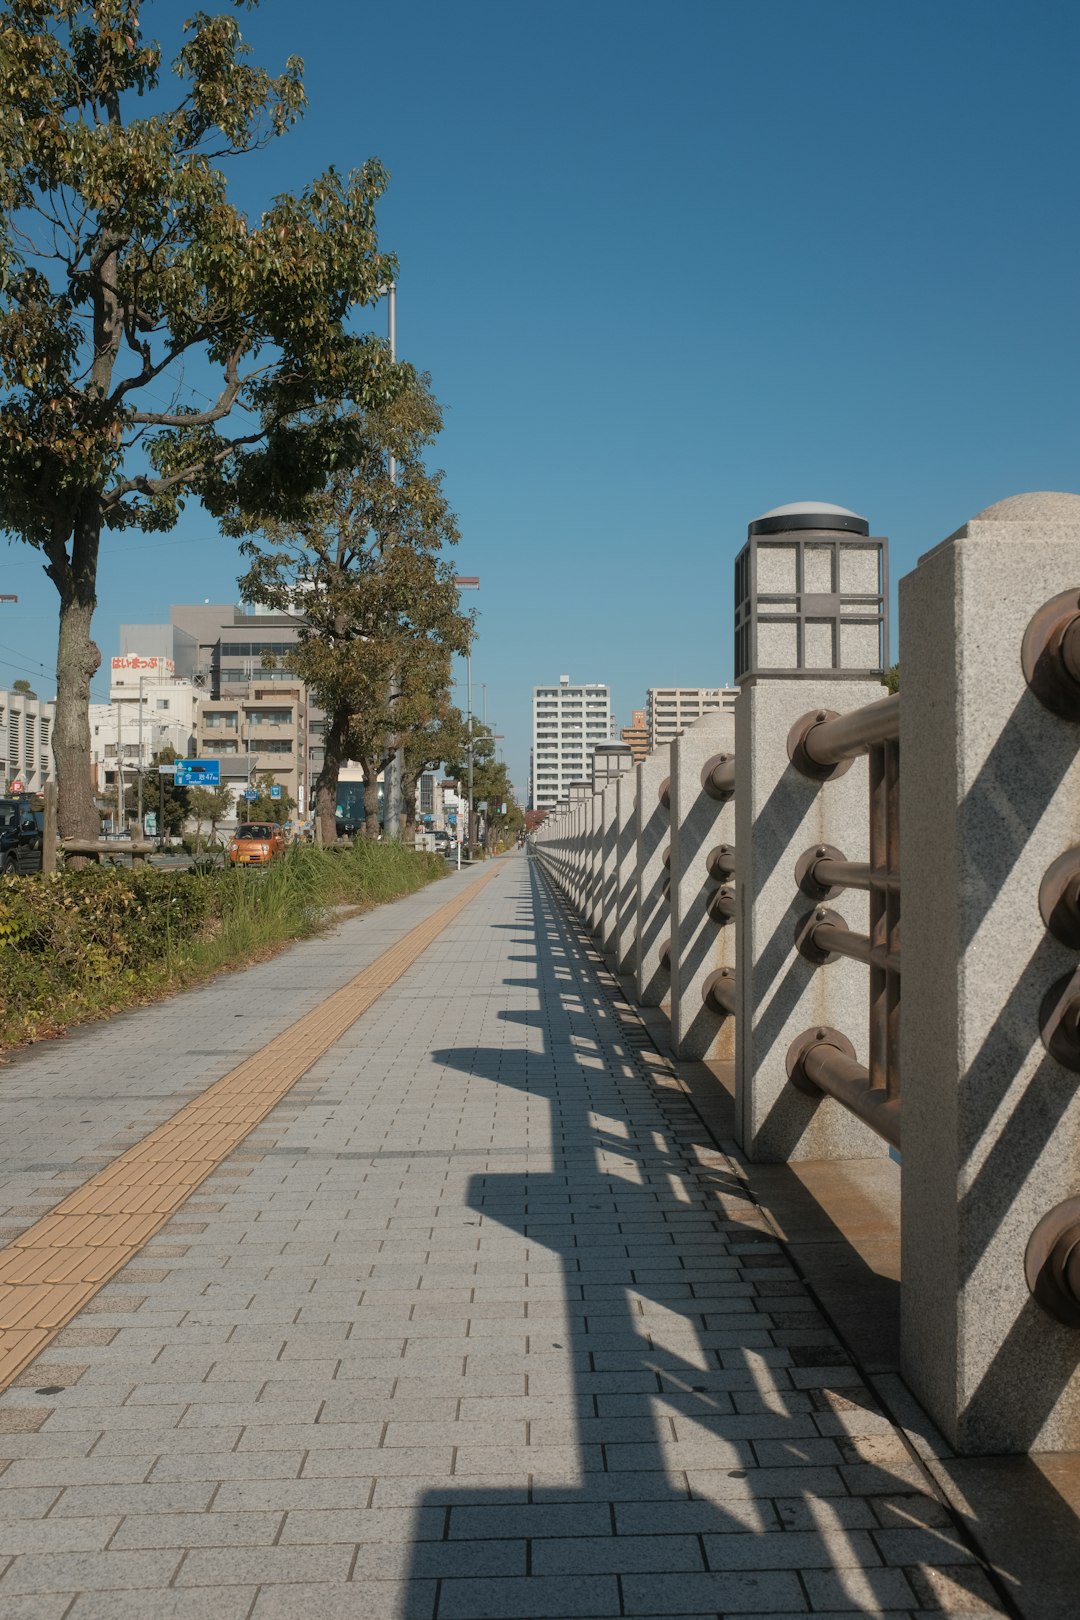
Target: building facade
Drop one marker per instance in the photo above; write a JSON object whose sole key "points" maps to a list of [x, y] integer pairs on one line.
{"points": [[672, 708], [26, 760], [568, 722], [636, 735], [235, 656], [258, 729]]}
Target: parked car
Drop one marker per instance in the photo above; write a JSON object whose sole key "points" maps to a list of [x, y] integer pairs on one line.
{"points": [[256, 843], [21, 831]]}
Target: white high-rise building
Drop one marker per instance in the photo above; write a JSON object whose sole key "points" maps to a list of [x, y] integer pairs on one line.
{"points": [[26, 723], [673, 708], [568, 722]]}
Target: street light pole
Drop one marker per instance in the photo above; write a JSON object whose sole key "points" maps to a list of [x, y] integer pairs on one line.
{"points": [[469, 582], [395, 766]]}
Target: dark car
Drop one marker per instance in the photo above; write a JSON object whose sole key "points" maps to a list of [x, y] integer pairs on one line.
{"points": [[20, 837]]}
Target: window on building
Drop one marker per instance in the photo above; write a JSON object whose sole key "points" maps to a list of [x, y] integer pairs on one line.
{"points": [[269, 717], [220, 720]]}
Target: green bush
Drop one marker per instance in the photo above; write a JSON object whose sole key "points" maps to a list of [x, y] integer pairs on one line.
{"points": [[79, 945]]}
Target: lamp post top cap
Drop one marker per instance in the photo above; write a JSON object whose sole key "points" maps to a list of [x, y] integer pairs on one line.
{"points": [[808, 515]]}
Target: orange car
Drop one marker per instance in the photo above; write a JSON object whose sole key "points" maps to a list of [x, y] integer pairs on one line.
{"points": [[256, 843]]}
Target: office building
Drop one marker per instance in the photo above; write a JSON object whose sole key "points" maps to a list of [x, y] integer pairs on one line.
{"points": [[672, 708], [636, 735], [568, 722], [26, 723]]}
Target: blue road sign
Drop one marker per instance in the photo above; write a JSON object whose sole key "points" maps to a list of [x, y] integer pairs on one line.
{"points": [[251, 793], [275, 792], [198, 773]]}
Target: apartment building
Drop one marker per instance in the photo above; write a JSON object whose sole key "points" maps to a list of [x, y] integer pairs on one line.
{"points": [[672, 708], [568, 722], [26, 723], [238, 656], [636, 735], [258, 729]]}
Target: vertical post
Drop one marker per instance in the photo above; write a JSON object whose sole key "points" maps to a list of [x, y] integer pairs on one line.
{"points": [[652, 830], [119, 770], [48, 842], [139, 788], [810, 634], [609, 880], [393, 773], [468, 690], [991, 1118], [625, 873], [699, 944]]}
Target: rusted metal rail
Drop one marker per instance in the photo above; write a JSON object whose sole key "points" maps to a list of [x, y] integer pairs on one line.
{"points": [[718, 992], [822, 745], [822, 1062], [1050, 655], [720, 862], [718, 776]]}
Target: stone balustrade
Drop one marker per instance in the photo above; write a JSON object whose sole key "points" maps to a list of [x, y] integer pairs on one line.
{"points": [[748, 879]]}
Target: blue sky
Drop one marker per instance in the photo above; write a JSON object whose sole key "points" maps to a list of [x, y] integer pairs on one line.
{"points": [[670, 266]]}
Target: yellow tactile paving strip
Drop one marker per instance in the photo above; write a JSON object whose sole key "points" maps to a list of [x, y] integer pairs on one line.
{"points": [[50, 1272]]}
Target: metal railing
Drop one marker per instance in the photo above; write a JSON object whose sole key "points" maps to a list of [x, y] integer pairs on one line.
{"points": [[822, 745]]}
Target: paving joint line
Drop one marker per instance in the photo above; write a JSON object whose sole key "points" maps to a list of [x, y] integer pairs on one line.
{"points": [[56, 1266]]}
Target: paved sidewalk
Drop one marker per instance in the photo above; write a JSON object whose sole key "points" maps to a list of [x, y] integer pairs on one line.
{"points": [[69, 1106], [477, 1323]]}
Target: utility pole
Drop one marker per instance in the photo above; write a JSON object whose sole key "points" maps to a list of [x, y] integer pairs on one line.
{"points": [[395, 766], [139, 775], [119, 768]]}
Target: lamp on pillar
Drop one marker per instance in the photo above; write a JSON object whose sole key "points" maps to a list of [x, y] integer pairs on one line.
{"points": [[610, 761], [811, 596]]}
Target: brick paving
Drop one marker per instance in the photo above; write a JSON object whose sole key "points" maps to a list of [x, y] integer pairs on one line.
{"points": [[477, 1323]]}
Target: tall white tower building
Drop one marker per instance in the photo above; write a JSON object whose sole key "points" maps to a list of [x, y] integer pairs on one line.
{"points": [[568, 722]]}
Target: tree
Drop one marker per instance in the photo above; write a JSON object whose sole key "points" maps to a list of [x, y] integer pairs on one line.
{"points": [[24, 687], [160, 794], [891, 678], [264, 808], [360, 565], [444, 737], [491, 779], [123, 269], [209, 804]]}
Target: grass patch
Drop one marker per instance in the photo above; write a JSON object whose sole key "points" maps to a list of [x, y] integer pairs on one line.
{"points": [[81, 945]]}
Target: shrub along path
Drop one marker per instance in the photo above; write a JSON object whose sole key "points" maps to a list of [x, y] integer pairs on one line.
{"points": [[83, 944]]}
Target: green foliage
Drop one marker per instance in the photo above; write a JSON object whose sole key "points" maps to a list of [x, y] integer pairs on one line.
{"points": [[209, 805], [264, 808], [892, 678], [80, 945], [360, 560], [125, 269], [160, 793]]}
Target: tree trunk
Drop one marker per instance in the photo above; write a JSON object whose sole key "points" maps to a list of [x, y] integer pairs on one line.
{"points": [[77, 662], [371, 795], [326, 783], [408, 802]]}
